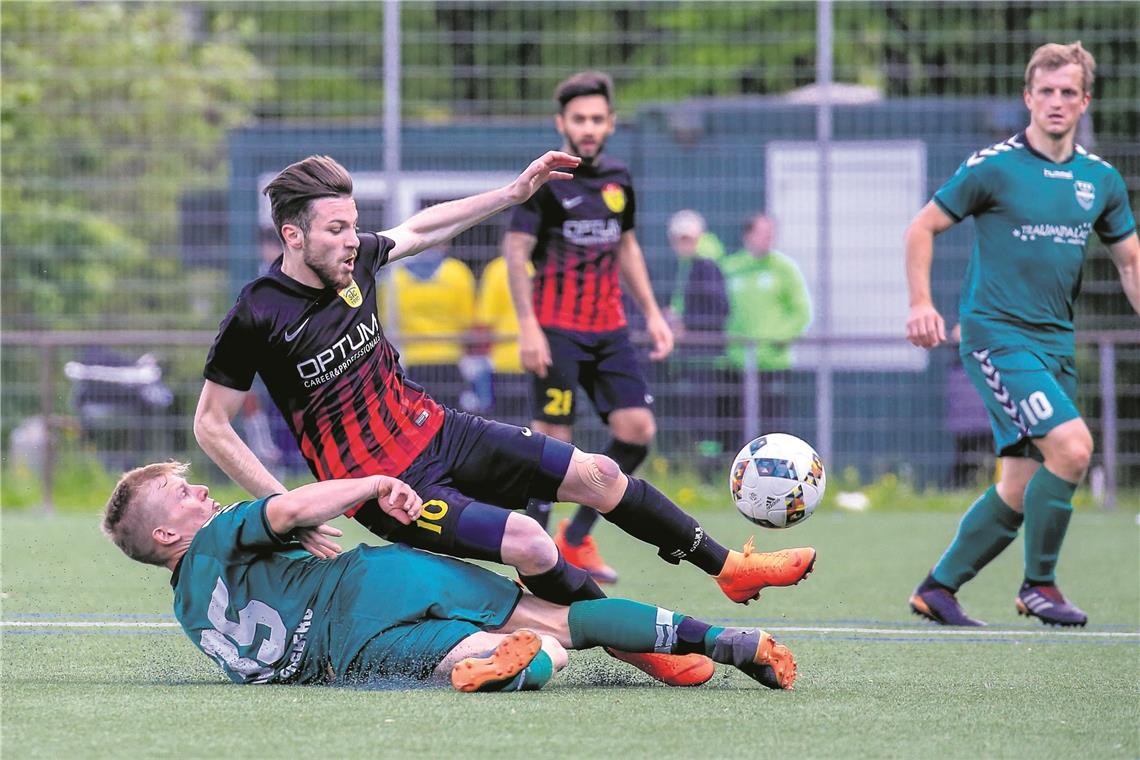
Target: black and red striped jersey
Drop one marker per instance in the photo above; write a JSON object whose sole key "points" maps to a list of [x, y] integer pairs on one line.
{"points": [[324, 358], [578, 226]]}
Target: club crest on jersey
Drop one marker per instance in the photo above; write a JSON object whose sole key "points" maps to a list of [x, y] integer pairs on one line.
{"points": [[351, 295], [614, 197], [1085, 192]]}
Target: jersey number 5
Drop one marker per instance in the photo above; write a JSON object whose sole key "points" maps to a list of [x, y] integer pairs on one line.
{"points": [[222, 642]]}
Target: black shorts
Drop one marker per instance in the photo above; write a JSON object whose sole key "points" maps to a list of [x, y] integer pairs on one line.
{"points": [[605, 365], [472, 459]]}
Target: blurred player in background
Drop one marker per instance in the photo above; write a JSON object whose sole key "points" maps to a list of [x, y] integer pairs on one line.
{"points": [[310, 329], [580, 238], [1035, 199], [355, 618]]}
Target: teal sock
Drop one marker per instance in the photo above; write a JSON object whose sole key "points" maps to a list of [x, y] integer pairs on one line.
{"points": [[988, 526], [635, 627], [1048, 508], [619, 623], [530, 678]]}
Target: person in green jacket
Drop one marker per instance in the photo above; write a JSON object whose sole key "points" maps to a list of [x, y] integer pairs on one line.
{"points": [[768, 304]]}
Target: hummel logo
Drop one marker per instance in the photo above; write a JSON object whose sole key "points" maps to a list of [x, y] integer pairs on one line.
{"points": [[289, 336], [569, 203]]}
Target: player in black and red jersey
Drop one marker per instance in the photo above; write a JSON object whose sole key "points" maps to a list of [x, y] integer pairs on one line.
{"points": [[572, 328], [310, 328]]}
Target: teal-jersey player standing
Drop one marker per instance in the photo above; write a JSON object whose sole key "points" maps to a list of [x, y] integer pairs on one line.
{"points": [[1036, 198]]}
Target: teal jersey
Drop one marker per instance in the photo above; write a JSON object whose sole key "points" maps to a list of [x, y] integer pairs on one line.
{"points": [[1032, 218], [269, 612]]}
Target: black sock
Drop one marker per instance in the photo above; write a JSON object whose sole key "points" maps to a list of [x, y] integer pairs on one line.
{"points": [[691, 636], [563, 584], [580, 525], [540, 511], [629, 457], [645, 513]]}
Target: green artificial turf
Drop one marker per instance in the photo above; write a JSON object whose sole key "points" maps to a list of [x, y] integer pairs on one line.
{"points": [[874, 681]]}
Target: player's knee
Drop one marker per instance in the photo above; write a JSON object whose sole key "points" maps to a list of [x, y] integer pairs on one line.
{"points": [[527, 546], [556, 652], [593, 479], [1076, 452], [637, 428]]}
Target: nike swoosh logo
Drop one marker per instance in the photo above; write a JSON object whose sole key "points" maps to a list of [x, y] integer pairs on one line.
{"points": [[569, 203], [289, 336]]}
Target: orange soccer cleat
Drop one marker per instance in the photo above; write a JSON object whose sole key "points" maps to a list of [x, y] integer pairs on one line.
{"points": [[747, 573], [757, 655], [670, 669], [508, 659], [585, 556]]}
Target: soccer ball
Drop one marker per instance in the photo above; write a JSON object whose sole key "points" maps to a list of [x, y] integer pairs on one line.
{"points": [[777, 480]]}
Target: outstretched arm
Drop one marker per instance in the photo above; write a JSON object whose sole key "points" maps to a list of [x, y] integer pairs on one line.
{"points": [[442, 222], [924, 327], [317, 503], [636, 276], [1126, 256]]}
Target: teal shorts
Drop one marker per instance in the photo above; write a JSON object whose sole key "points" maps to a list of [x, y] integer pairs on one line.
{"points": [[1026, 393], [416, 607]]}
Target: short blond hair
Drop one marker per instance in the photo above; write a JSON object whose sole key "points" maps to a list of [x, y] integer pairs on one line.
{"points": [[1053, 56], [128, 520]]}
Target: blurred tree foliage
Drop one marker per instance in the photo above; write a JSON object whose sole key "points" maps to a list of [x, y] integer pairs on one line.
{"points": [[109, 112], [94, 93]]}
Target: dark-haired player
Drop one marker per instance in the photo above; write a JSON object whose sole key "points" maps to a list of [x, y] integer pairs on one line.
{"points": [[572, 329], [1036, 198], [310, 329]]}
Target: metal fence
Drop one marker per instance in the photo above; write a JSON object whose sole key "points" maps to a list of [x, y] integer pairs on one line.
{"points": [[136, 134], [124, 398]]}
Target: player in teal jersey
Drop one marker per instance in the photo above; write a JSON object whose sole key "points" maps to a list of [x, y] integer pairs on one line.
{"points": [[1035, 199], [267, 611]]}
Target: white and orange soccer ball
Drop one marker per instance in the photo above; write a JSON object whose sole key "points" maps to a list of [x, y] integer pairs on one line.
{"points": [[777, 480]]}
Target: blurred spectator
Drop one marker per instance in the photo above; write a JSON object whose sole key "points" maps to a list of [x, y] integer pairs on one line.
{"points": [[699, 303], [768, 304], [495, 316], [269, 248], [969, 423], [435, 311], [697, 313], [126, 411]]}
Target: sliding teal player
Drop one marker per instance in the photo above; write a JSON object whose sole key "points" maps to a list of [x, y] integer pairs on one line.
{"points": [[266, 611], [1035, 198]]}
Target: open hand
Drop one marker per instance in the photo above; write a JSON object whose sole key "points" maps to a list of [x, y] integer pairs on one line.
{"points": [[545, 167], [316, 542]]}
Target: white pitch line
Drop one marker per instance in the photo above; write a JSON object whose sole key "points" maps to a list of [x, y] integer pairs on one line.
{"points": [[771, 629], [83, 624], [952, 632]]}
